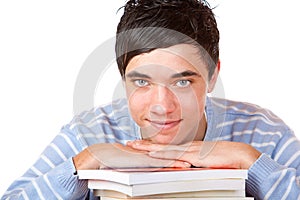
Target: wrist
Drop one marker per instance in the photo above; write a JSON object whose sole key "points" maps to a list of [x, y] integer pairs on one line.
{"points": [[250, 155], [85, 160]]}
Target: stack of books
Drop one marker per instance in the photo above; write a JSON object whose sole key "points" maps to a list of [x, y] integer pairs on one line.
{"points": [[167, 183]]}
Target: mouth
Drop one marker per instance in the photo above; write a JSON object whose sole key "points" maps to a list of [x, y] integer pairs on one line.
{"points": [[164, 125]]}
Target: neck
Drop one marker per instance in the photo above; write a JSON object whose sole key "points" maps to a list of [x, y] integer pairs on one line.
{"points": [[201, 129]]}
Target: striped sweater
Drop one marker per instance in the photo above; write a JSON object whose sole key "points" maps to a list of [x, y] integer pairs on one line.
{"points": [[275, 175]]}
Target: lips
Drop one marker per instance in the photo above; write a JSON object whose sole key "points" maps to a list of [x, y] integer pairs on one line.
{"points": [[167, 124]]}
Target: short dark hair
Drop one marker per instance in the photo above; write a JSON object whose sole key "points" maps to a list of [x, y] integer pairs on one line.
{"points": [[150, 24]]}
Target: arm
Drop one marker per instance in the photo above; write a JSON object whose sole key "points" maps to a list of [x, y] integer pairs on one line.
{"points": [[276, 176], [220, 154], [114, 155], [270, 177], [53, 176]]}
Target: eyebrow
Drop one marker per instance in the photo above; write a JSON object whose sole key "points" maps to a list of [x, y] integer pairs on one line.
{"points": [[136, 74], [185, 74]]}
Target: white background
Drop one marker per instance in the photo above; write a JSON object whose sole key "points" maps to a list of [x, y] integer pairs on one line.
{"points": [[43, 45]]}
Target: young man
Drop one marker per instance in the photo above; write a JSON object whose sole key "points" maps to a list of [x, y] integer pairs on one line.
{"points": [[168, 57]]}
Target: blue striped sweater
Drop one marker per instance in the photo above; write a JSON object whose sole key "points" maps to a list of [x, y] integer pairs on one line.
{"points": [[275, 175]]}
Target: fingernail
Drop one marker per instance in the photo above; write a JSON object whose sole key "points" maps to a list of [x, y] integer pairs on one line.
{"points": [[186, 164], [137, 143]]}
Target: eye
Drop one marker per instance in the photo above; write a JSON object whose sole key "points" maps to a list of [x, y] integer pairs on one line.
{"points": [[141, 83], [183, 83]]}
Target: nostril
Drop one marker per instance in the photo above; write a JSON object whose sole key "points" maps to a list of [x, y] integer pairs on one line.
{"points": [[158, 109]]}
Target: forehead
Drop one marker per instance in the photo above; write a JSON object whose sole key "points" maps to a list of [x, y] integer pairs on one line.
{"points": [[178, 58]]}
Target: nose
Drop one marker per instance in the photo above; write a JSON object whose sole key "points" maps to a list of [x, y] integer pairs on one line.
{"points": [[163, 100]]}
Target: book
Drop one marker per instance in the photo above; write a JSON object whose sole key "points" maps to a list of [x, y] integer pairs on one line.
{"points": [[184, 198], [168, 187], [135, 176], [196, 194]]}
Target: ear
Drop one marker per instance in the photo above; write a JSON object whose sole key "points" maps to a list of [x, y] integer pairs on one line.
{"points": [[214, 78]]}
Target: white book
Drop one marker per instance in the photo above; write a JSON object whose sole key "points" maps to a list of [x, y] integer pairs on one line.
{"points": [[152, 175], [169, 187], [196, 194]]}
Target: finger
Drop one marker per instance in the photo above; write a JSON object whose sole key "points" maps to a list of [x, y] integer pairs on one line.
{"points": [[149, 146], [189, 157], [181, 164], [157, 163], [144, 145], [171, 155]]}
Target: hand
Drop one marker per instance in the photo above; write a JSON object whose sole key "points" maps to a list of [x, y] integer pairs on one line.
{"points": [[114, 155], [219, 154]]}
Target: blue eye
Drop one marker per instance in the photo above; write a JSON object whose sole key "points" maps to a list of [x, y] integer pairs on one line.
{"points": [[183, 83], [141, 83]]}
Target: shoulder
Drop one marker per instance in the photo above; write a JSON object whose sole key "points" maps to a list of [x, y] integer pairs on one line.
{"points": [[106, 123], [242, 109], [108, 112], [248, 123], [243, 115]]}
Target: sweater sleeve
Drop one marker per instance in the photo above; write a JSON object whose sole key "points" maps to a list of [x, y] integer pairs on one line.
{"points": [[276, 176], [52, 175]]}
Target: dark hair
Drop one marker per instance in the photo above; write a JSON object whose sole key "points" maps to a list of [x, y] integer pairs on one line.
{"points": [[150, 24]]}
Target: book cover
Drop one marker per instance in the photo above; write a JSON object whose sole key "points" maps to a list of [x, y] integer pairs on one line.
{"points": [[196, 194], [204, 198], [169, 187], [152, 175]]}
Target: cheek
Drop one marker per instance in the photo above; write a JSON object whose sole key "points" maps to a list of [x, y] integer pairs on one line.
{"points": [[137, 105], [192, 103]]}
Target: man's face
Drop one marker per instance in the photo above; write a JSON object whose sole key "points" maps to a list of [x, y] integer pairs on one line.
{"points": [[166, 91]]}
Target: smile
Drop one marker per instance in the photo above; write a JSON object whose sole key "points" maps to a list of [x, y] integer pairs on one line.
{"points": [[164, 124]]}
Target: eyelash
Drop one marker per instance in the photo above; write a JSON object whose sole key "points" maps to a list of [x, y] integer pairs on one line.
{"points": [[183, 80], [137, 82], [143, 83]]}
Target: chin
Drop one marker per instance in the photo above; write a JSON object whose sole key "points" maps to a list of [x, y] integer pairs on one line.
{"points": [[167, 139], [172, 136]]}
